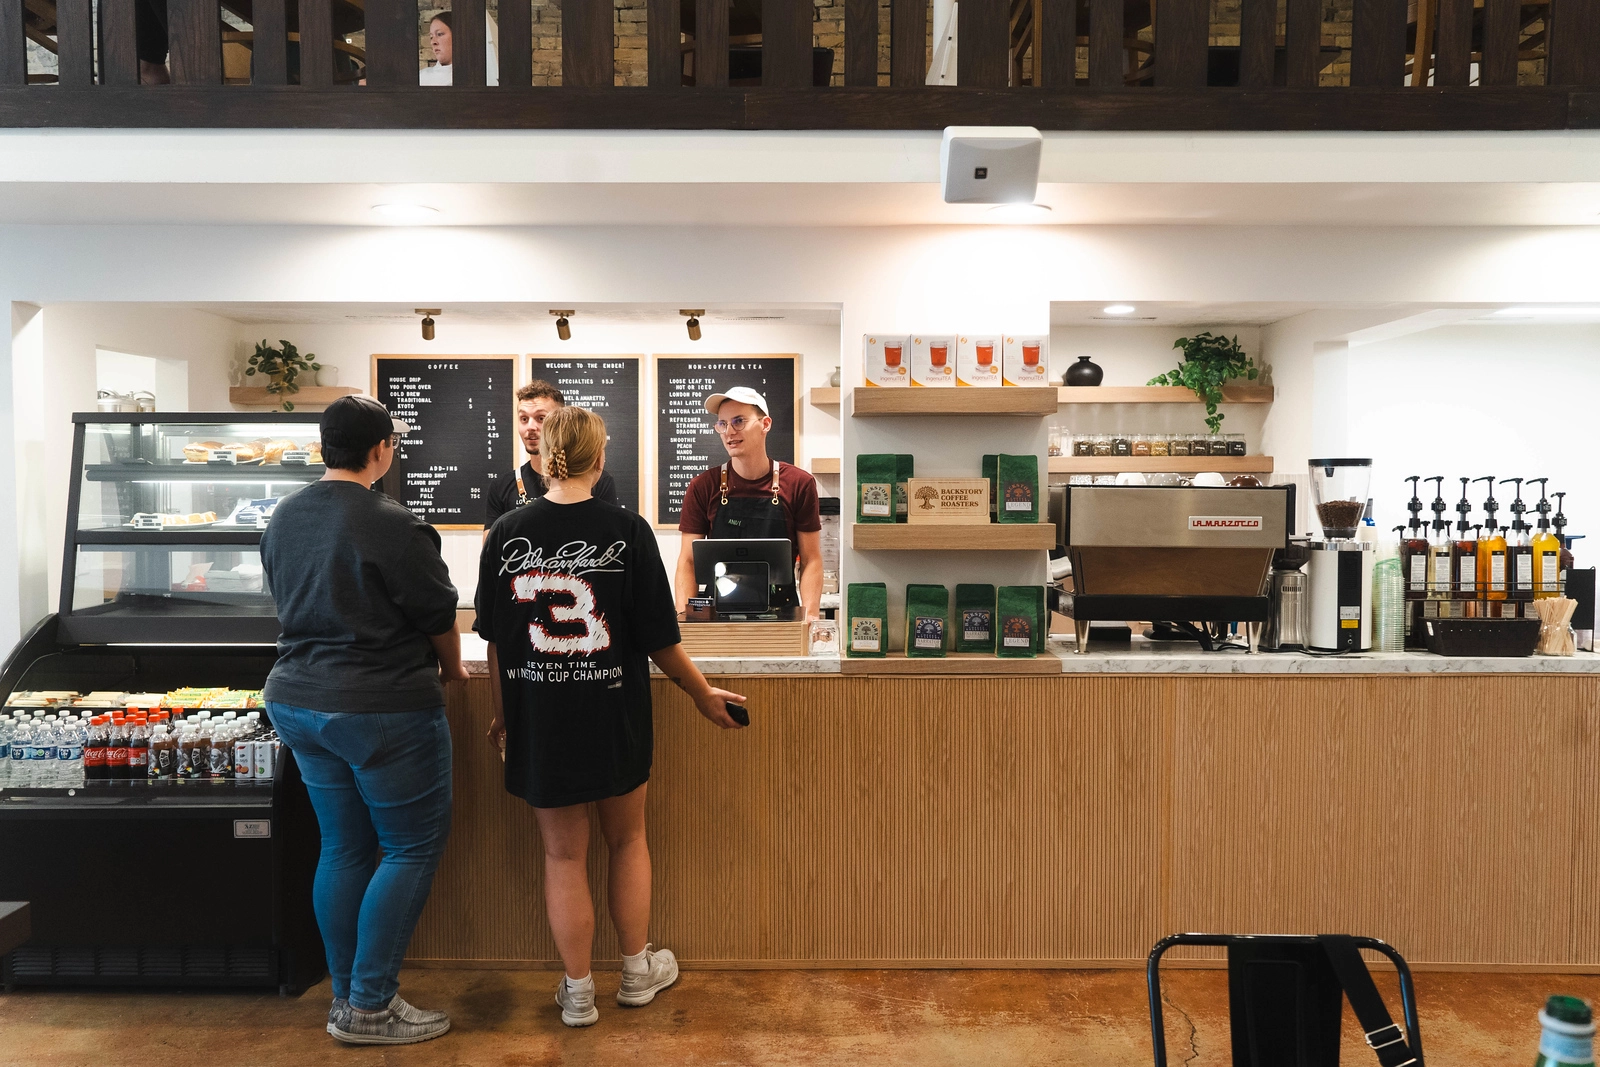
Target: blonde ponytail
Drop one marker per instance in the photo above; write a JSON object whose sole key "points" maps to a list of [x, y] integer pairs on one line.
{"points": [[571, 442]]}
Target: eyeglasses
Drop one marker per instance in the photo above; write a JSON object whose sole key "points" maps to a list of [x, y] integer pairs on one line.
{"points": [[394, 440], [739, 422]]}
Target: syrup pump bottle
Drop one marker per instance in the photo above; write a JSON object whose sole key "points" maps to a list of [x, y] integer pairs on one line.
{"points": [[1414, 548], [1464, 554], [1546, 548], [1438, 545], [1566, 542], [1519, 550], [1491, 551]]}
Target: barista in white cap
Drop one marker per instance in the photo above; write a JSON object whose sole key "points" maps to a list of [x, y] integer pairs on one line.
{"points": [[751, 496]]}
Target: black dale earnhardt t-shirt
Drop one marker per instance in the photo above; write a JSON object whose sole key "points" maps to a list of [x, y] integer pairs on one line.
{"points": [[574, 598]]}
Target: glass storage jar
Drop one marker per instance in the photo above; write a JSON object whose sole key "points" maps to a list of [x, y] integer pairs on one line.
{"points": [[1122, 444], [1102, 444], [1083, 444], [1140, 445], [1236, 444]]}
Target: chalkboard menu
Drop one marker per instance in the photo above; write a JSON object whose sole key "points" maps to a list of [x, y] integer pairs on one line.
{"points": [[686, 444], [609, 387], [461, 411]]}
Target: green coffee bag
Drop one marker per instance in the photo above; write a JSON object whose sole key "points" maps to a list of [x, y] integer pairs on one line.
{"points": [[875, 488], [974, 621], [927, 620], [866, 619], [1015, 489], [1020, 621], [905, 467], [990, 467]]}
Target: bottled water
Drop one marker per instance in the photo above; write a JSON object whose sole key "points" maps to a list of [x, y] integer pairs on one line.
{"points": [[21, 750], [6, 729], [41, 754], [69, 755]]}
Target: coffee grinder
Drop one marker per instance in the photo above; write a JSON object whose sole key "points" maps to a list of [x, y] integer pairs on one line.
{"points": [[1340, 568]]}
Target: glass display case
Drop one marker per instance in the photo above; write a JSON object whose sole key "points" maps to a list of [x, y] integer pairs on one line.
{"points": [[164, 523]]}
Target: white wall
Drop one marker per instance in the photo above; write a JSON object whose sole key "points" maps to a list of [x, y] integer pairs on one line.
{"points": [[1507, 400]]}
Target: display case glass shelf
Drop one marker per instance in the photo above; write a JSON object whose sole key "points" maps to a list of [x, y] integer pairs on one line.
{"points": [[165, 518]]}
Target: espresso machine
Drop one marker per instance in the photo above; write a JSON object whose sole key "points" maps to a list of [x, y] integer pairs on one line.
{"points": [[1340, 568]]}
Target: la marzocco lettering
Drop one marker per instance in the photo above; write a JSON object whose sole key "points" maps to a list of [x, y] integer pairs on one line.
{"points": [[1224, 522]]}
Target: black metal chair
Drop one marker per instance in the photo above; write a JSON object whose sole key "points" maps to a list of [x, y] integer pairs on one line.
{"points": [[1285, 999]]}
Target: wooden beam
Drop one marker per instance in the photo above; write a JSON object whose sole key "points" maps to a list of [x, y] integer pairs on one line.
{"points": [[194, 35], [1453, 62], [1574, 34], [982, 38], [469, 65], [1258, 40], [1502, 26], [1378, 43], [908, 43], [1422, 42], [786, 43], [269, 62], [711, 44], [75, 42], [392, 42], [1303, 44], [664, 26], [13, 44], [316, 46], [861, 42], [1105, 44], [119, 59], [588, 37], [1181, 27], [1055, 44]]}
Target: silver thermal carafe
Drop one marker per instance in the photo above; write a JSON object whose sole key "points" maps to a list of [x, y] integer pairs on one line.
{"points": [[1289, 610]]}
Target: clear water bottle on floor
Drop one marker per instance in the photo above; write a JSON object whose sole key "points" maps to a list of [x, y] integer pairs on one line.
{"points": [[1567, 1039]]}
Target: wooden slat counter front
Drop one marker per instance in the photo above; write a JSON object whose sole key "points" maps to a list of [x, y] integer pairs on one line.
{"points": [[1072, 820]]}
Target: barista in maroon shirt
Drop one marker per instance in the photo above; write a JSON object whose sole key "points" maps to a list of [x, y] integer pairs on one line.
{"points": [[751, 496]]}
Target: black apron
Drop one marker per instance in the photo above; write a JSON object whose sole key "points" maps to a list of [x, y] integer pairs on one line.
{"points": [[753, 518]]}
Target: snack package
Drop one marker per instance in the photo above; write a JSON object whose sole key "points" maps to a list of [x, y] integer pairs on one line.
{"points": [[927, 620], [933, 361], [886, 360], [975, 618], [905, 468], [866, 619], [1020, 621], [978, 361], [1027, 361], [875, 487], [1013, 487]]}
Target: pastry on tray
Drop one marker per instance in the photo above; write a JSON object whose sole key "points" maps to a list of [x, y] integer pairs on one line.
{"points": [[199, 452]]}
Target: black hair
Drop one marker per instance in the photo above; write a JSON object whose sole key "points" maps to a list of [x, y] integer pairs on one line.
{"points": [[444, 17], [345, 459]]}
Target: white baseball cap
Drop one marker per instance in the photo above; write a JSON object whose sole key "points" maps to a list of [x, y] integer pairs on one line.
{"points": [[742, 394]]}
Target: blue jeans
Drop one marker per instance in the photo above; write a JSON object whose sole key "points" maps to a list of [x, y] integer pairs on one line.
{"points": [[377, 780]]}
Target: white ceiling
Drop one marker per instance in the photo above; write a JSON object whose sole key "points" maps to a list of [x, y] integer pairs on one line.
{"points": [[802, 204], [342, 314], [1175, 313]]}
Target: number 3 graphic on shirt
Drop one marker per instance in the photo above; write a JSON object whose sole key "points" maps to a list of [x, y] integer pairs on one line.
{"points": [[580, 608]]}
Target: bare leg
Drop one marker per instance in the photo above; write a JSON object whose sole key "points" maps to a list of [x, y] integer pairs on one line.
{"points": [[566, 884], [153, 73], [622, 823]]}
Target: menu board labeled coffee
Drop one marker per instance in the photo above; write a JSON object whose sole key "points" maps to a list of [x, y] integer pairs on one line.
{"points": [[609, 387], [687, 442], [460, 410]]}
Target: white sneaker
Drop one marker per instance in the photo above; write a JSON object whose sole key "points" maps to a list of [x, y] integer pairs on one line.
{"points": [[661, 970], [577, 1002]]}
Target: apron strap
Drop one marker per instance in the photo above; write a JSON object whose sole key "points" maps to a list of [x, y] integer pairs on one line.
{"points": [[724, 483], [522, 492], [776, 468]]}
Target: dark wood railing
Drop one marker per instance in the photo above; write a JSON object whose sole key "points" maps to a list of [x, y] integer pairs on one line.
{"points": [[1056, 64]]}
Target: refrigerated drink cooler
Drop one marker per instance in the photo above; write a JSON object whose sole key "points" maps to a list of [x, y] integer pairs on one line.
{"points": [[198, 882]]}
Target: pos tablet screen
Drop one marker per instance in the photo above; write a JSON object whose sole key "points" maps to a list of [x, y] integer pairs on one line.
{"points": [[776, 552], [740, 588]]}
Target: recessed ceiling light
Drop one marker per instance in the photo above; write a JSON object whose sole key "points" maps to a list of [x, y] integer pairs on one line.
{"points": [[406, 213], [1019, 213], [1118, 309]]}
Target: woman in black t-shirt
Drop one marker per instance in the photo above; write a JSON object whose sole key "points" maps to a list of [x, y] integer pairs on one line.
{"points": [[573, 599]]}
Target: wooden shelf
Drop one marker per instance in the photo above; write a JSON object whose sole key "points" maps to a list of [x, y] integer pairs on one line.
{"points": [[1160, 464], [1158, 394], [825, 465], [824, 396], [952, 663], [953, 537], [256, 396], [1013, 401]]}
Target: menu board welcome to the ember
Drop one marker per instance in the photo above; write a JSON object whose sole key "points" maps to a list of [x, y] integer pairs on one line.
{"points": [[609, 387], [461, 410], [686, 442]]}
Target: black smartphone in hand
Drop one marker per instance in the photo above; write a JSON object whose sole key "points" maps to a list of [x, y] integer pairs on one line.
{"points": [[738, 712]]}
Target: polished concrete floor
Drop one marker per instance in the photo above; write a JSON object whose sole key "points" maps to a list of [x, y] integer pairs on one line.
{"points": [[927, 1018]]}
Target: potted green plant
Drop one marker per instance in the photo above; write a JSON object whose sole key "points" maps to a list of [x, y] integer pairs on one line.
{"points": [[1209, 362], [282, 367]]}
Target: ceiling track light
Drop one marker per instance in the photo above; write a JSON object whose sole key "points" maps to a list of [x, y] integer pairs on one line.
{"points": [[694, 321], [427, 321], [563, 327]]}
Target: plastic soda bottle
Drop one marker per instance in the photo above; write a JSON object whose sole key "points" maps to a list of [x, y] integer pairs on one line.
{"points": [[1568, 1037]]}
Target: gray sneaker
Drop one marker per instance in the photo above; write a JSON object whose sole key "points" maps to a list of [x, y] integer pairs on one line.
{"points": [[389, 1026], [661, 970], [577, 1004], [341, 1005]]}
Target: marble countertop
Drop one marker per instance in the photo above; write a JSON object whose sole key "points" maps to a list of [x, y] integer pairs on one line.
{"points": [[475, 657], [1148, 657]]}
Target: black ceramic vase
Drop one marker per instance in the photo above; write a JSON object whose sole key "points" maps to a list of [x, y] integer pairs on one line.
{"points": [[1083, 372]]}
